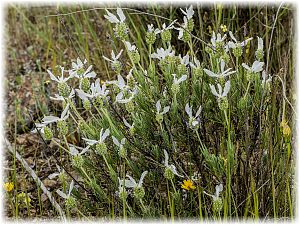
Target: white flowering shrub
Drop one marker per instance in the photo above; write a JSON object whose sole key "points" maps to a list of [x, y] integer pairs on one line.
{"points": [[169, 118]]}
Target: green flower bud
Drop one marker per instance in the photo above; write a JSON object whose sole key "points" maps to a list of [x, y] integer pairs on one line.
{"points": [[209, 50], [80, 71], [225, 57], [223, 103], [64, 89], [122, 152], [87, 105], [48, 133], [150, 38], [186, 37], [217, 205], [237, 51], [219, 46], [181, 68], [63, 127], [62, 177], [121, 31], [168, 174], [243, 102], [175, 88], [259, 54], [77, 161], [139, 192], [98, 101], [198, 72], [166, 35], [129, 106], [159, 117], [116, 66], [101, 148], [82, 125], [130, 81], [123, 194], [135, 56], [70, 202], [85, 84], [190, 25]]}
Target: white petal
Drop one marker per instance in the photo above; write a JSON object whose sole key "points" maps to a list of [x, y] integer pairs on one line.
{"points": [[52, 76], [198, 111], [50, 119], [142, 178], [210, 73], [226, 88], [232, 37], [61, 194], [71, 187], [246, 66], [213, 90], [158, 106], [188, 110], [105, 135], [111, 17], [121, 14], [219, 188], [166, 158], [257, 66], [115, 141], [166, 109], [181, 79]]}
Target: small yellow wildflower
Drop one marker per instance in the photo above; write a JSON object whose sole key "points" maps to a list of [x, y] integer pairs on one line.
{"points": [[286, 130], [8, 186], [24, 198], [247, 46], [223, 28], [188, 185], [209, 29]]}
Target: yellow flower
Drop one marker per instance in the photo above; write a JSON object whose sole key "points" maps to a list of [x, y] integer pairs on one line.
{"points": [[188, 185], [286, 130], [223, 28], [24, 198], [8, 186]]}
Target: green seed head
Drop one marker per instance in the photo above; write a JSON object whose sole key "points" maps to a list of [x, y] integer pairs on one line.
{"points": [[122, 152], [217, 205], [223, 103], [123, 194], [237, 51], [48, 133], [168, 174], [62, 177], [243, 102], [159, 117], [198, 72], [63, 127], [135, 56], [101, 148], [87, 105], [166, 35], [129, 106], [186, 37], [71, 202], [121, 31], [139, 192], [77, 161], [64, 89], [190, 25], [150, 38], [181, 68], [175, 88], [85, 84], [259, 54], [116, 66]]}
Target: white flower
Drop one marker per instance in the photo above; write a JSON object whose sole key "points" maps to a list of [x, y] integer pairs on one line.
{"points": [[184, 60], [218, 38], [60, 171], [60, 79], [64, 195], [131, 93], [158, 108], [189, 111], [171, 167], [151, 29], [61, 98], [260, 44], [102, 138], [74, 150], [76, 67], [117, 143], [164, 27], [113, 19], [256, 67], [127, 124], [162, 53], [266, 78], [221, 93], [52, 119], [131, 183], [39, 127], [188, 12], [223, 73], [219, 189], [95, 90], [235, 43], [197, 63], [113, 56], [183, 27], [178, 81], [130, 47]]}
